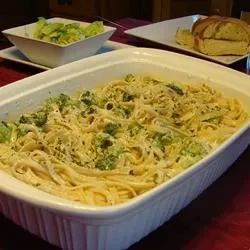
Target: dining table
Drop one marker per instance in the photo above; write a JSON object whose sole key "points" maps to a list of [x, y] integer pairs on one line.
{"points": [[218, 219]]}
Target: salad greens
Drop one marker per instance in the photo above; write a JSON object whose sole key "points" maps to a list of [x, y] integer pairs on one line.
{"points": [[63, 34]]}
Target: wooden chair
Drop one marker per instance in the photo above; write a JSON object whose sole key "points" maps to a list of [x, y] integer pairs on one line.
{"points": [[245, 15], [167, 9], [240, 9]]}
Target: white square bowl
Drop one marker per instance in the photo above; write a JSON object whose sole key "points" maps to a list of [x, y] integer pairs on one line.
{"points": [[51, 54], [71, 225]]}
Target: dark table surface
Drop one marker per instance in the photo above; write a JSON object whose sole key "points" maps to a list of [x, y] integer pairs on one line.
{"points": [[218, 219]]}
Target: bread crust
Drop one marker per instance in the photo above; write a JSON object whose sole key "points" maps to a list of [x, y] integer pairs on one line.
{"points": [[213, 47], [240, 22], [201, 24]]}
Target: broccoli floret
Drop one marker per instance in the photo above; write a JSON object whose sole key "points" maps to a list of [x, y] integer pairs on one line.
{"points": [[21, 131], [129, 78], [111, 128], [5, 132], [106, 163], [176, 88], [110, 158], [194, 149], [62, 100], [25, 119], [65, 101], [123, 112], [88, 98], [161, 140], [135, 129], [103, 141], [87, 111], [127, 97], [40, 118]]}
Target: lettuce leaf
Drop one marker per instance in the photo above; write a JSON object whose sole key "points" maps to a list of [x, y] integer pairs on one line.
{"points": [[64, 34]]}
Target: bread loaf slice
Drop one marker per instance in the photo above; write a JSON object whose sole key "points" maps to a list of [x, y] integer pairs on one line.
{"points": [[209, 31], [203, 23], [214, 47], [221, 36], [216, 35], [226, 30]]}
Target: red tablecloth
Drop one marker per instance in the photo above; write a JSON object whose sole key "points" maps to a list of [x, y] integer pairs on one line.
{"points": [[218, 219]]}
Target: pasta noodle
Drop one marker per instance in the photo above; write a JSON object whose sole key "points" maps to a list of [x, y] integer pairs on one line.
{"points": [[107, 145]]}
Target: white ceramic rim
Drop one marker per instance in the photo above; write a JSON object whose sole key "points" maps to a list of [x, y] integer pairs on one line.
{"points": [[73, 208]]}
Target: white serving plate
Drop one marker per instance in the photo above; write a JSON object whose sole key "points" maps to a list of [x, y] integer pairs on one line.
{"points": [[164, 33], [13, 54], [71, 225], [50, 54]]}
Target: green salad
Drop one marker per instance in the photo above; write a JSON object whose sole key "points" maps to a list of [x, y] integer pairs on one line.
{"points": [[63, 34]]}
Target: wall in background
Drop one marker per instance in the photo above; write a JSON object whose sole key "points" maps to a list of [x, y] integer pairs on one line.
{"points": [[110, 9], [14, 13], [154, 10], [167, 9]]}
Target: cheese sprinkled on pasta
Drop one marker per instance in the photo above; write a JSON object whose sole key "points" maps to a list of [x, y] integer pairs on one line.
{"points": [[110, 144]]}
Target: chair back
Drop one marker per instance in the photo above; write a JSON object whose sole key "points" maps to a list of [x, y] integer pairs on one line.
{"points": [[245, 15]]}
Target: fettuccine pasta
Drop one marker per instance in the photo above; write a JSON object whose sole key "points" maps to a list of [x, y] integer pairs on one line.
{"points": [[107, 145]]}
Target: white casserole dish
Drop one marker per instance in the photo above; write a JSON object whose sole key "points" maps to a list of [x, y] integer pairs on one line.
{"points": [[74, 226], [51, 54]]}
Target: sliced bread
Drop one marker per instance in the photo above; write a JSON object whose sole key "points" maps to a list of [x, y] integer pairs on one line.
{"points": [[203, 23], [221, 36], [225, 28], [216, 35], [214, 47]]}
